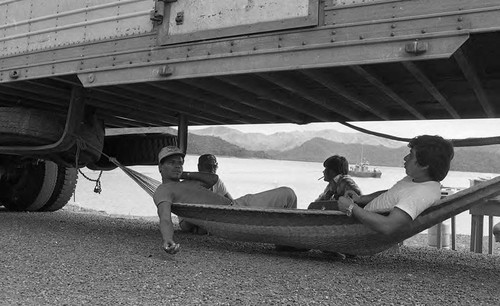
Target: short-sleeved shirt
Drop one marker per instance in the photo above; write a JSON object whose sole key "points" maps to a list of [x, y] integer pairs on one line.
{"points": [[413, 198], [219, 188]]}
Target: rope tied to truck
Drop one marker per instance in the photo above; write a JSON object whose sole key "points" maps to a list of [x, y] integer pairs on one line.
{"points": [[82, 145], [147, 183]]}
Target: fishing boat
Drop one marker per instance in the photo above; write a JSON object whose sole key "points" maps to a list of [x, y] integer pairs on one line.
{"points": [[362, 170]]}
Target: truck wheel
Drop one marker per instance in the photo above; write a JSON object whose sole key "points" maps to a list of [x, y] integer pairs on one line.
{"points": [[37, 186], [64, 188]]}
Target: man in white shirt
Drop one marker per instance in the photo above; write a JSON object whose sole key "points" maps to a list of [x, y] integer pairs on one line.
{"points": [[208, 163], [426, 165]]}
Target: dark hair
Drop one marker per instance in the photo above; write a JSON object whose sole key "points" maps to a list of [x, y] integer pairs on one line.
{"points": [[206, 162], [337, 163], [435, 152]]}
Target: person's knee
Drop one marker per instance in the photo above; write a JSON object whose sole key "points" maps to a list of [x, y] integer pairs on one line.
{"points": [[290, 196]]}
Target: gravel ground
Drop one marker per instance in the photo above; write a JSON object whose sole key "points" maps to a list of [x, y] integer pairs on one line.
{"points": [[89, 258]]}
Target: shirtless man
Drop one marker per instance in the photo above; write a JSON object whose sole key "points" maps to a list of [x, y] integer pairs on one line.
{"points": [[192, 187]]}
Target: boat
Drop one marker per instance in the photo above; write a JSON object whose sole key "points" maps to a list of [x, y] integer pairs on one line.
{"points": [[362, 170]]}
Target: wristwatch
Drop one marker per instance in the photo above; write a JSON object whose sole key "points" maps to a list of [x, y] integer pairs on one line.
{"points": [[349, 210]]}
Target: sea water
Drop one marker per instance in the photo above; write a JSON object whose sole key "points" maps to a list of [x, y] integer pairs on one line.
{"points": [[121, 195]]}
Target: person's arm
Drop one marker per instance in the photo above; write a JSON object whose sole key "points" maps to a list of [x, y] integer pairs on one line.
{"points": [[386, 225], [207, 179], [363, 199], [167, 228], [163, 202], [345, 184]]}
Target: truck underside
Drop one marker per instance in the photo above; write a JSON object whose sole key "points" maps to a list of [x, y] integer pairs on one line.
{"points": [[360, 61]]}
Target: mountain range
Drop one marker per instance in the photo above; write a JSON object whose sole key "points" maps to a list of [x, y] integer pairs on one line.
{"points": [[316, 146], [283, 141]]}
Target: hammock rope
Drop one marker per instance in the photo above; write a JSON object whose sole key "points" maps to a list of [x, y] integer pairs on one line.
{"points": [[147, 183]]}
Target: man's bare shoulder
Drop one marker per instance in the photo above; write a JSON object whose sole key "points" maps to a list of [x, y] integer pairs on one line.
{"points": [[164, 192]]}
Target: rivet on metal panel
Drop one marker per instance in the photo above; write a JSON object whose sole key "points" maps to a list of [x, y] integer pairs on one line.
{"points": [[165, 71], [416, 47], [14, 74], [91, 78]]}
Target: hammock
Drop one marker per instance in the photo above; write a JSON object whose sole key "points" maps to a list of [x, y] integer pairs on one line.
{"points": [[326, 230]]}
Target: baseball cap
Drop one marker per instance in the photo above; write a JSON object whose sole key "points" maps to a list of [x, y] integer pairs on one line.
{"points": [[169, 151], [207, 159]]}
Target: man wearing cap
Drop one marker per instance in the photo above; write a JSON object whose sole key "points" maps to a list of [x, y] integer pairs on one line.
{"points": [[191, 187], [206, 163]]}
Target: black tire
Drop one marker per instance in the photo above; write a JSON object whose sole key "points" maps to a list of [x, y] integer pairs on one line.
{"points": [[133, 149], [37, 186], [63, 190]]}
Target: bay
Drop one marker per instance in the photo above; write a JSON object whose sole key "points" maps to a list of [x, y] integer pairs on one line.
{"points": [[121, 195]]}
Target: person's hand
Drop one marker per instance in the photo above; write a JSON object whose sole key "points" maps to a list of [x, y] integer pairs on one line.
{"points": [[344, 203], [171, 247], [351, 194]]}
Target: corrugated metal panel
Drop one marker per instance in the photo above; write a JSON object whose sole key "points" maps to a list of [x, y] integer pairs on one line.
{"points": [[28, 25]]}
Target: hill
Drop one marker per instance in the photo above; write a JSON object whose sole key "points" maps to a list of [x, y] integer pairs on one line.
{"points": [[308, 146], [214, 145], [475, 159], [283, 141]]}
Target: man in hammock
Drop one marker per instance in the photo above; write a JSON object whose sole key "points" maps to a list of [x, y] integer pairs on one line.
{"points": [[192, 187], [207, 163], [426, 165]]}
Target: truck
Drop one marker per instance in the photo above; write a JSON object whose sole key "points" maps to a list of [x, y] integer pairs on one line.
{"points": [[71, 69]]}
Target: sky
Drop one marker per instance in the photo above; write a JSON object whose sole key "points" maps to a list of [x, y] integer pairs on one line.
{"points": [[446, 128]]}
